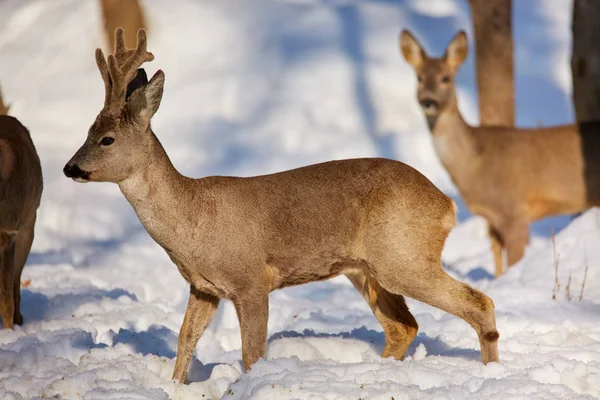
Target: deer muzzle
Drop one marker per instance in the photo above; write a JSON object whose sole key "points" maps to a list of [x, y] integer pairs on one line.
{"points": [[429, 105], [77, 174]]}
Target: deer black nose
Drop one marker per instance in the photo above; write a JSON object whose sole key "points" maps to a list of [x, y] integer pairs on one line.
{"points": [[429, 104], [73, 171]]}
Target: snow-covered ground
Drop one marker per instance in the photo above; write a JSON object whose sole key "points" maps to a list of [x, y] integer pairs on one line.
{"points": [[257, 87]]}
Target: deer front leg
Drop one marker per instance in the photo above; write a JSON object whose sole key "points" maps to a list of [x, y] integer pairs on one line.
{"points": [[253, 313], [200, 311], [22, 249], [497, 246]]}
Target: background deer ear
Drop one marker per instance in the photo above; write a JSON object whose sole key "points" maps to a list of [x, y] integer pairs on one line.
{"points": [[145, 100], [411, 49], [456, 53]]}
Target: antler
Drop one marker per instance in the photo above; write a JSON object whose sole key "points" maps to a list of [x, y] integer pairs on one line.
{"points": [[121, 68]]}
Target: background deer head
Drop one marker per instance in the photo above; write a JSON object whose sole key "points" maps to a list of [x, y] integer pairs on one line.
{"points": [[435, 75]]}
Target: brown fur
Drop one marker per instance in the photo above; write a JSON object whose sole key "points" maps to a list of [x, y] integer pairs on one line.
{"points": [[127, 14], [378, 221], [20, 193], [509, 176]]}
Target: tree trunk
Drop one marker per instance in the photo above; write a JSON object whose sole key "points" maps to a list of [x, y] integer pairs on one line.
{"points": [[127, 14], [585, 60], [494, 61]]}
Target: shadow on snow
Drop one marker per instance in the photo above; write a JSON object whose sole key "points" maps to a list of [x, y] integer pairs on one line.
{"points": [[36, 306]]}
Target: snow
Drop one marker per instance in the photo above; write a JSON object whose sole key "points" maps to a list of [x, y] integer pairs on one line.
{"points": [[257, 87]]}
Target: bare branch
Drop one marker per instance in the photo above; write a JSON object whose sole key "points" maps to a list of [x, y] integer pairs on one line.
{"points": [[584, 279], [556, 257]]}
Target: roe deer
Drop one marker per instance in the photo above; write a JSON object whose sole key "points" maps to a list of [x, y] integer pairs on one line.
{"points": [[127, 14], [20, 193], [379, 222], [509, 176]]}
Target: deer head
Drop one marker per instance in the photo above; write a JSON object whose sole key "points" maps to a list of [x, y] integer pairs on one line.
{"points": [[120, 139], [435, 75]]}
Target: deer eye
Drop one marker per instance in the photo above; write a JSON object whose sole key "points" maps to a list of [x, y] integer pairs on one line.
{"points": [[107, 141], [446, 79]]}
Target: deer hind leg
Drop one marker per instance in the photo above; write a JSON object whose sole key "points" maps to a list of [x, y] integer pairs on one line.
{"points": [[399, 325], [433, 286], [7, 279], [200, 311], [497, 247], [253, 314], [23, 247]]}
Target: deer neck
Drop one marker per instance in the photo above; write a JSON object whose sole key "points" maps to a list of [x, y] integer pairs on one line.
{"points": [[157, 192], [455, 143]]}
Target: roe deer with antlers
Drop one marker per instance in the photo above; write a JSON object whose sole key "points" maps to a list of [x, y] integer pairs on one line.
{"points": [[379, 222], [20, 194], [510, 176]]}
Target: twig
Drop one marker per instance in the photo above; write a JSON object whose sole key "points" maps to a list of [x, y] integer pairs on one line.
{"points": [[556, 283], [568, 289], [584, 279]]}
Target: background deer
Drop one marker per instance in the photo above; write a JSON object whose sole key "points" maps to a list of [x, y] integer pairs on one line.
{"points": [[20, 193], [380, 222], [509, 176]]}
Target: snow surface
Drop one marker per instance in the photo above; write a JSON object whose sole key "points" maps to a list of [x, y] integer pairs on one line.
{"points": [[257, 87]]}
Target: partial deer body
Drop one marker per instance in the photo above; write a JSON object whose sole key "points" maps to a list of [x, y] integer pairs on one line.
{"points": [[20, 193], [509, 176], [379, 222]]}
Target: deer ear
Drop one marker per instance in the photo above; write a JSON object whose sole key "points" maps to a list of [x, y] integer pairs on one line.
{"points": [[154, 91], [411, 49], [457, 50], [145, 100], [141, 79]]}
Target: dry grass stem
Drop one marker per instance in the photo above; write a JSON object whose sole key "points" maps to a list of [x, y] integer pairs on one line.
{"points": [[556, 257], [584, 279]]}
